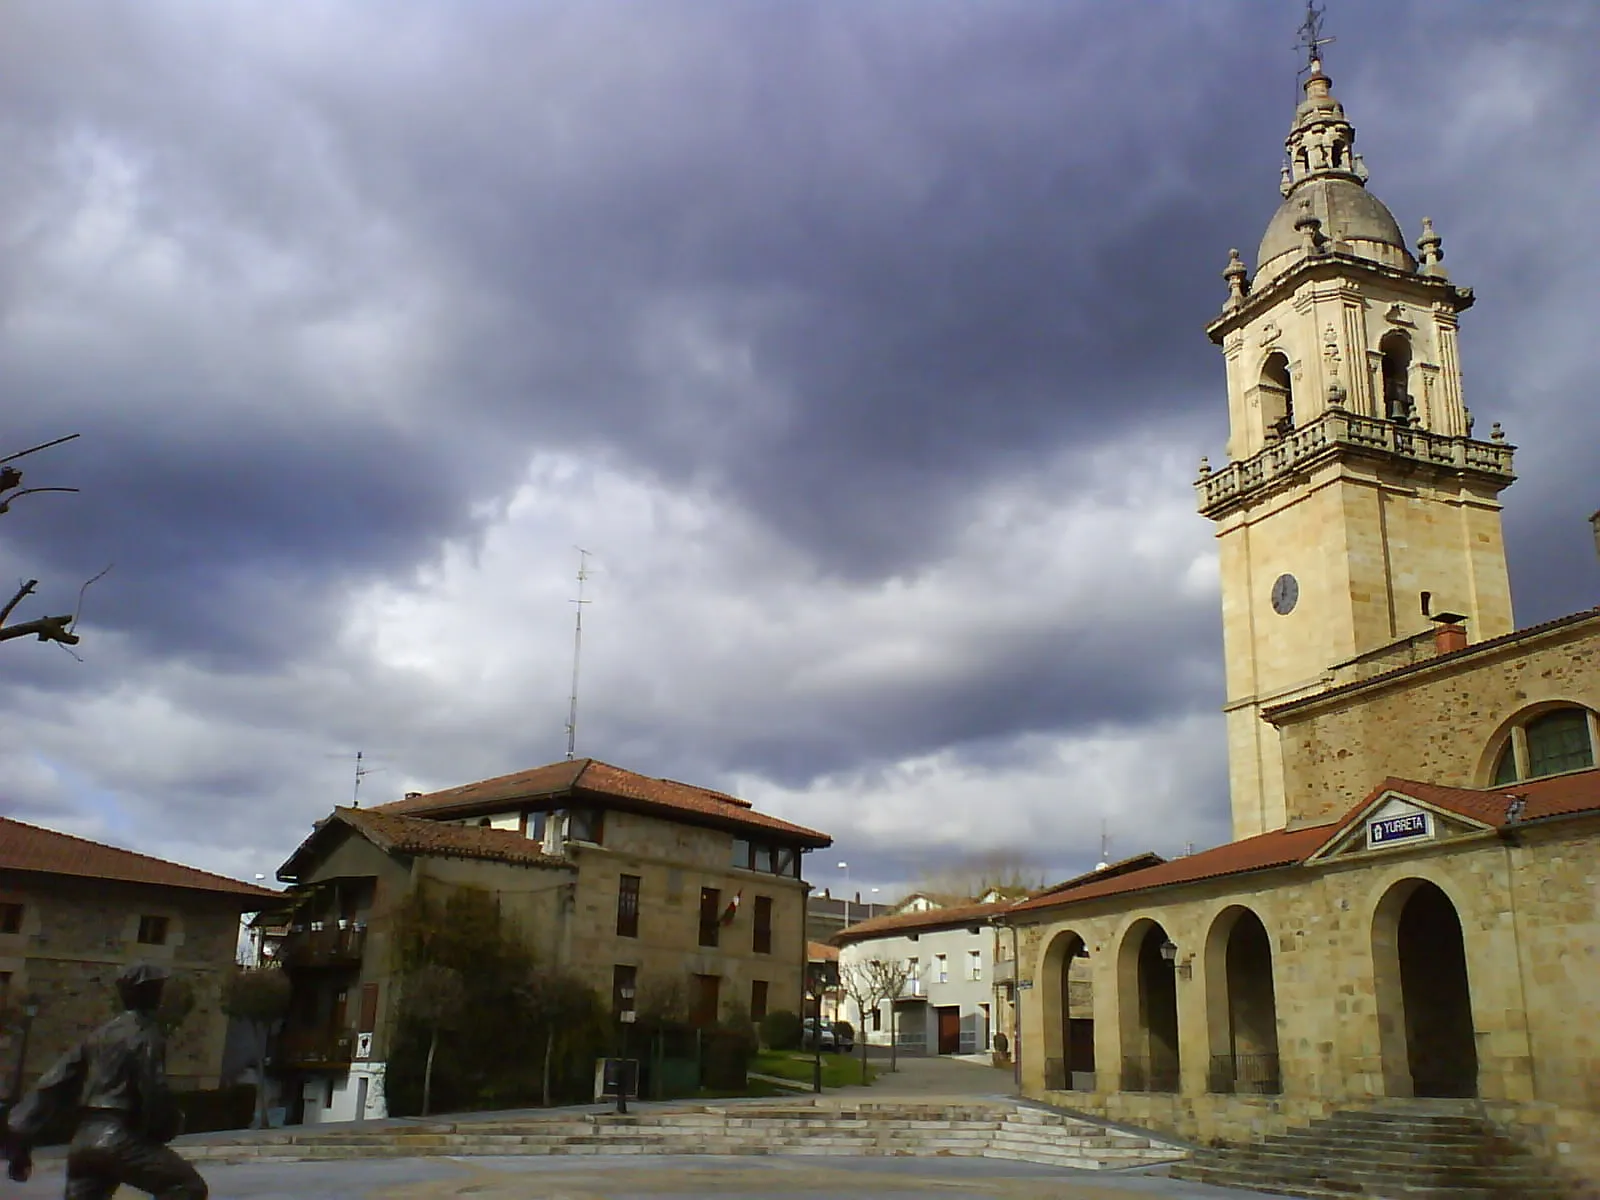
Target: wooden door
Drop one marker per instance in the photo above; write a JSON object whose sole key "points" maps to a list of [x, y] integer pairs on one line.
{"points": [[949, 1029], [704, 1010]]}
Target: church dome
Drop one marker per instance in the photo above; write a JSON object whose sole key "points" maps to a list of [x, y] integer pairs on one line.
{"points": [[1353, 219], [1324, 179]]}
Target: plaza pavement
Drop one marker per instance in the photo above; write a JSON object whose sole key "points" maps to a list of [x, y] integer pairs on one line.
{"points": [[633, 1177], [637, 1177]]}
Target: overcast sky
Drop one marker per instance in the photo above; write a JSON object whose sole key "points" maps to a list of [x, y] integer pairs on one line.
{"points": [[860, 343]]}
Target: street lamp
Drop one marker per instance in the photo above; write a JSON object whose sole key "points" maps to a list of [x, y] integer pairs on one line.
{"points": [[845, 867], [30, 1010]]}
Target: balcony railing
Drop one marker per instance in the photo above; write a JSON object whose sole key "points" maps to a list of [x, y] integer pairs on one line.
{"points": [[1149, 1075], [1220, 490], [1245, 1075], [302, 1048], [325, 947]]}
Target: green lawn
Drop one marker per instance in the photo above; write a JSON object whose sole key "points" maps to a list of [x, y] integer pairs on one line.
{"points": [[838, 1070]]}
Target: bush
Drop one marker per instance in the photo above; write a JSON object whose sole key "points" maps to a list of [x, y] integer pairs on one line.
{"points": [[780, 1030]]}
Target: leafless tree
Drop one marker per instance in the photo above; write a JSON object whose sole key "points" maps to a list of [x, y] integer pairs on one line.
{"points": [[967, 879], [435, 996], [58, 629], [862, 983], [889, 979], [258, 997]]}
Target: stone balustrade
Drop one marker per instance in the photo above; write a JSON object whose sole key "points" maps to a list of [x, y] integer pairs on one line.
{"points": [[1338, 429]]}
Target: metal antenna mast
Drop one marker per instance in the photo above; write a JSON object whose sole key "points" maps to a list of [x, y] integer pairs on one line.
{"points": [[577, 652], [361, 773], [1311, 33]]}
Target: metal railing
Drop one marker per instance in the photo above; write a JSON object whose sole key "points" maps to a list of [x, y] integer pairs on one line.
{"points": [[1149, 1075], [324, 947], [1218, 490], [316, 1047], [1244, 1075]]}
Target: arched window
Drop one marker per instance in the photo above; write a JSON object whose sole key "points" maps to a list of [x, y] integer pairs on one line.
{"points": [[1553, 741], [1559, 741], [1396, 351], [1277, 394]]}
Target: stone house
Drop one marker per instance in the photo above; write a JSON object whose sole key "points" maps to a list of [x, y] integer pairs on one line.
{"points": [[1409, 910], [656, 893], [74, 912]]}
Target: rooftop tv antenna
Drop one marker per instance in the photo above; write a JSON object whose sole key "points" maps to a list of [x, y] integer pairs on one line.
{"points": [[1105, 847], [1311, 34], [577, 653], [362, 771]]}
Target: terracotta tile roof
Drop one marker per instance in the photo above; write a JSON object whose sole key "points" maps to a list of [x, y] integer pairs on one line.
{"points": [[821, 952], [588, 776], [415, 836], [1123, 866], [1280, 848], [1504, 640], [30, 848], [925, 921], [1553, 796]]}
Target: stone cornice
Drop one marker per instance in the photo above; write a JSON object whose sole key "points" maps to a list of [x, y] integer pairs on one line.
{"points": [[1439, 292]]}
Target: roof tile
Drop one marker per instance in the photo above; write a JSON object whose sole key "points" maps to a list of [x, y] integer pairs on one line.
{"points": [[30, 848], [924, 920], [599, 779]]}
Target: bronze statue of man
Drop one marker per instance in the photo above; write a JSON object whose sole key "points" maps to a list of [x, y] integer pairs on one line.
{"points": [[116, 1079]]}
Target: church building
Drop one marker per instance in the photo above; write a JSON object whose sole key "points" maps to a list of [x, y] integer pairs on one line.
{"points": [[1410, 907]]}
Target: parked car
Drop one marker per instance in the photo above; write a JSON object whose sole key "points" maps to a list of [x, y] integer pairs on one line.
{"points": [[844, 1036], [808, 1038]]}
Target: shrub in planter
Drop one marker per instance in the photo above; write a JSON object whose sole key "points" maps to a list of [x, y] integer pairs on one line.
{"points": [[780, 1030]]}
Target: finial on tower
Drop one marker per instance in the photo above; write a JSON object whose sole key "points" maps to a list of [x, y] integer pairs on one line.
{"points": [[1432, 247], [1238, 277]]}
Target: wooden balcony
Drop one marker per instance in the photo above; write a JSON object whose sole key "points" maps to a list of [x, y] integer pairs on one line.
{"points": [[324, 947]]}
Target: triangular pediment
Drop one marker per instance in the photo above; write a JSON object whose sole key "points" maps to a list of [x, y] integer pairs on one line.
{"points": [[1393, 820]]}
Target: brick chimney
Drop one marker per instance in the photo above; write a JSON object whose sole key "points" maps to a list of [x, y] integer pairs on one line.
{"points": [[1449, 633]]}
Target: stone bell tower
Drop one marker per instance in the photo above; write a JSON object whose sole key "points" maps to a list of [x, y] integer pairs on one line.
{"points": [[1355, 506]]}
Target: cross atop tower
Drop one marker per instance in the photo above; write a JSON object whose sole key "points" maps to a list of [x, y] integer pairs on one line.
{"points": [[1311, 34]]}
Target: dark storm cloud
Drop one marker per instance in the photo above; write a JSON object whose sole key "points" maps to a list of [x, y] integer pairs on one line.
{"points": [[316, 282]]}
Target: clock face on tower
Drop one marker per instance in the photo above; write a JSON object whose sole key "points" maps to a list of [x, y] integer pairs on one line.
{"points": [[1285, 594]]}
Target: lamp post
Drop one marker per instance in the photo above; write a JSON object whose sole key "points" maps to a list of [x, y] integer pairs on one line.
{"points": [[30, 1010], [845, 867]]}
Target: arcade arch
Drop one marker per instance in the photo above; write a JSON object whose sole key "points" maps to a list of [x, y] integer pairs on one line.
{"points": [[1424, 994], [1068, 1015], [1241, 1005], [1147, 1000]]}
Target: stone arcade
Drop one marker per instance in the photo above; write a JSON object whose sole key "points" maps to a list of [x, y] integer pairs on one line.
{"points": [[1409, 908]]}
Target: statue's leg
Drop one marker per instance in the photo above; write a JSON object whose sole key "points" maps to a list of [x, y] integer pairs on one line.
{"points": [[160, 1171], [91, 1170]]}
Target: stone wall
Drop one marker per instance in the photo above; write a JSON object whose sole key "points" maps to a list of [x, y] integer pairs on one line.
{"points": [[1530, 924], [1443, 722], [674, 862], [78, 934]]}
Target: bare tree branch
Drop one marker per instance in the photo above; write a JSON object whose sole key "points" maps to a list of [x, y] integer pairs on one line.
{"points": [[25, 590], [86, 585], [47, 629], [40, 446], [5, 505]]}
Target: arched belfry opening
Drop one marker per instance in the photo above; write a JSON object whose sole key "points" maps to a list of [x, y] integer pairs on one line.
{"points": [[1277, 395], [1068, 1001], [1147, 992], [1242, 1007], [1424, 994], [1395, 350]]}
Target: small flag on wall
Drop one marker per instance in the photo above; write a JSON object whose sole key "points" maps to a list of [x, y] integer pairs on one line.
{"points": [[732, 910]]}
